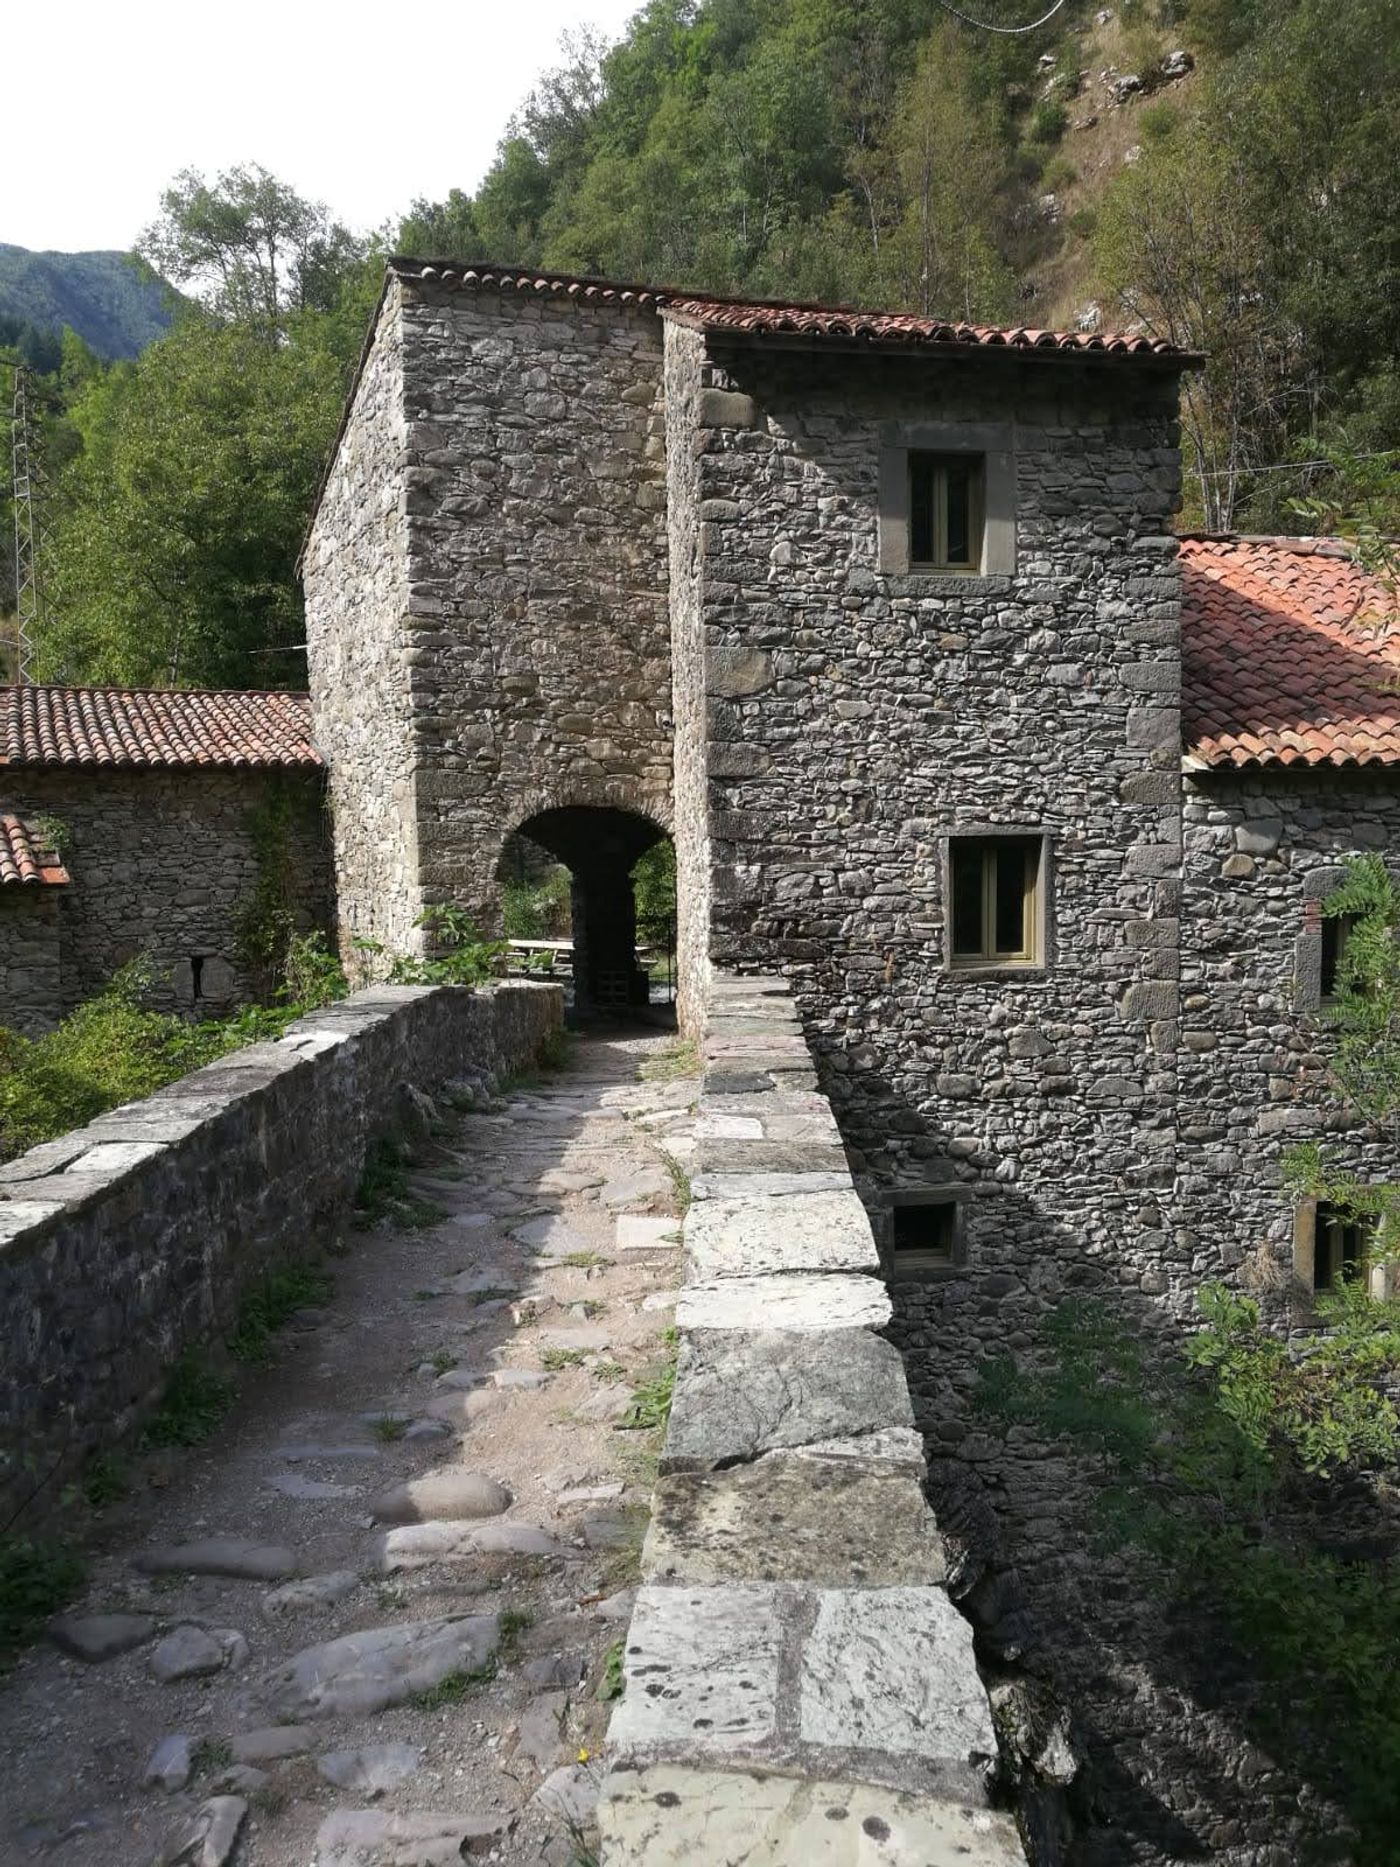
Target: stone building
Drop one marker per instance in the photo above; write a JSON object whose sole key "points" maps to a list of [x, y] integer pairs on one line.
{"points": [[886, 623], [141, 824]]}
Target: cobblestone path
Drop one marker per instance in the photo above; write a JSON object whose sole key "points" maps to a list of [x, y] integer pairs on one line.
{"points": [[370, 1620]]}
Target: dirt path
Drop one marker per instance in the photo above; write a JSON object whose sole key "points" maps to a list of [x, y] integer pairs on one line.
{"points": [[489, 1360]]}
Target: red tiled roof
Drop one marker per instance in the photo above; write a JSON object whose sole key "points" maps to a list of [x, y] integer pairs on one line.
{"points": [[25, 856], [106, 726], [763, 318], [717, 317], [1290, 654]]}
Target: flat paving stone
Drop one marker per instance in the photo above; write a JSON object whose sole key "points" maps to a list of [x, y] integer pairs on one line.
{"points": [[171, 1763], [313, 1591], [98, 1637], [363, 1673], [453, 1494], [670, 1816], [636, 1189], [763, 1236], [638, 1231], [831, 1301], [740, 1393], [793, 1517], [221, 1555], [208, 1840], [372, 1770], [711, 1184], [196, 1653], [382, 1838], [310, 1490], [272, 1744], [550, 1237], [816, 1679], [420, 1545]]}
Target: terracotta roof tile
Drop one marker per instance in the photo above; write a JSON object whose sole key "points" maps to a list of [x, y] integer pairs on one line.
{"points": [[107, 726], [25, 856], [762, 318], [1290, 654]]}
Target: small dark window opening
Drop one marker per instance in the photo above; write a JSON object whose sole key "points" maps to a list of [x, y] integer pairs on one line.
{"points": [[196, 976], [945, 511], [1340, 1248], [1336, 931], [923, 1234], [995, 910]]}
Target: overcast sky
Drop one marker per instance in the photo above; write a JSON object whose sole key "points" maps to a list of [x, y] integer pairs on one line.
{"points": [[360, 106]]}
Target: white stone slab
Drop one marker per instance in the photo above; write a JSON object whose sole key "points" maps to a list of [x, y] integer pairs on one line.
{"points": [[817, 1302], [114, 1156], [672, 1816], [701, 1664], [729, 1128], [892, 1669], [803, 1232], [637, 1231]]}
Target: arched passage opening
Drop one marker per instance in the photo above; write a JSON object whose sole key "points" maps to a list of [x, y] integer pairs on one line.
{"points": [[600, 847]]}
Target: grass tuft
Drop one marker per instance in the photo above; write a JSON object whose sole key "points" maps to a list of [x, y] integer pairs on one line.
{"points": [[196, 1399]]}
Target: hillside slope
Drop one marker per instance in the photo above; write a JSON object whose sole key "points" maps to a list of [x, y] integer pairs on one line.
{"points": [[116, 307]]}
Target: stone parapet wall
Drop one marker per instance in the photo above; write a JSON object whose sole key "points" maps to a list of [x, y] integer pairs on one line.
{"points": [[127, 1242], [799, 1686]]}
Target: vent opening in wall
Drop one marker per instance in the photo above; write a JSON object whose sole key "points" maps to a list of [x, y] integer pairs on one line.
{"points": [[923, 1234], [196, 977]]}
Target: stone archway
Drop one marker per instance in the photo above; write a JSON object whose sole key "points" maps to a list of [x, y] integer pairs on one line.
{"points": [[600, 845]]}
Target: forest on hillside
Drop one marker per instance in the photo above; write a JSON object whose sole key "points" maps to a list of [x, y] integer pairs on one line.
{"points": [[1224, 172]]}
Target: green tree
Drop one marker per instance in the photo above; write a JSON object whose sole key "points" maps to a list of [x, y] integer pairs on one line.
{"points": [[174, 544], [250, 245]]}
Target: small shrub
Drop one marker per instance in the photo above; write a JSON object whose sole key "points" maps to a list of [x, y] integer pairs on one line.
{"points": [[610, 1682], [389, 1428], [556, 1359], [463, 957], [1049, 121], [265, 1309], [106, 1478], [1060, 173], [651, 1402], [455, 1686], [37, 1579], [196, 1399]]}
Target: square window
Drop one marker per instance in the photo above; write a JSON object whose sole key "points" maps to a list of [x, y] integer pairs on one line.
{"points": [[1341, 1246], [946, 504], [994, 914], [923, 1234]]}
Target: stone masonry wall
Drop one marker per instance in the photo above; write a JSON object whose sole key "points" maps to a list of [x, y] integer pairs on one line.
{"points": [[31, 974], [355, 572], [127, 1241], [856, 718], [798, 1684], [162, 865], [537, 568], [1261, 854]]}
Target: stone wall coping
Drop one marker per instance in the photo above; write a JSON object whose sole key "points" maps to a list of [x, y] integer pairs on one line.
{"points": [[792, 1646], [130, 1241]]}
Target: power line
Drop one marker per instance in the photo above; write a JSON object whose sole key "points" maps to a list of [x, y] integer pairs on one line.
{"points": [[983, 25], [1291, 466]]}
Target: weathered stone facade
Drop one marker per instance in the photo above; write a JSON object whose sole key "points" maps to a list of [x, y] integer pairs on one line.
{"points": [[163, 864], [822, 723], [487, 596]]}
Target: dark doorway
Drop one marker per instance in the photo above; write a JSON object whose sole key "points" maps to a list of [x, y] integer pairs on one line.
{"points": [[599, 847]]}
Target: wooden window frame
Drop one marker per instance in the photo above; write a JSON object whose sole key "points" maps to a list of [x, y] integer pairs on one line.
{"points": [[1031, 957], [1311, 1220], [939, 464], [993, 446]]}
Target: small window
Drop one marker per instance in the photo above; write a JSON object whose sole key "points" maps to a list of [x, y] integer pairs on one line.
{"points": [[1336, 931], [1341, 1245], [995, 908], [923, 1235], [945, 511], [196, 977]]}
